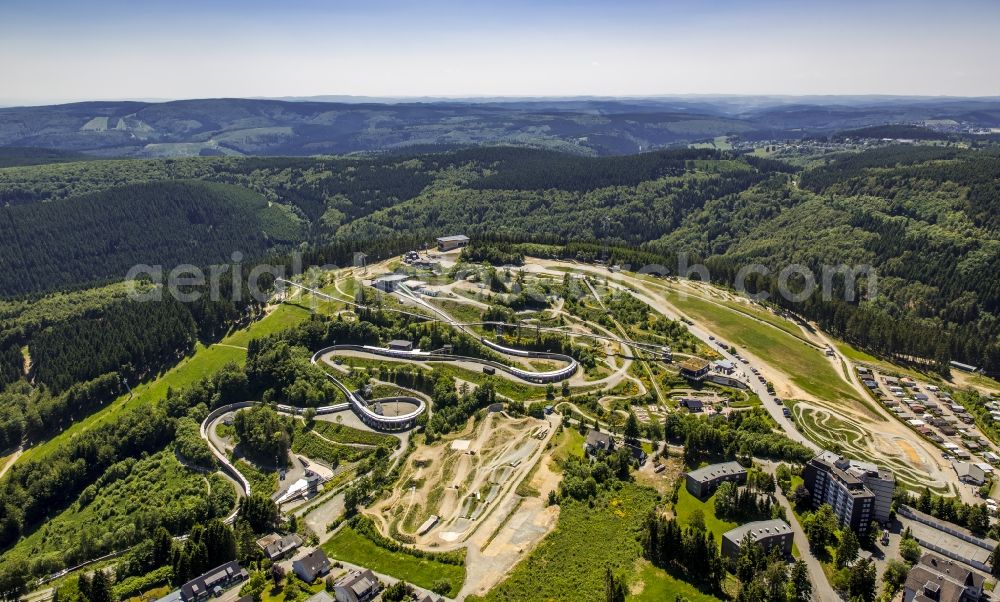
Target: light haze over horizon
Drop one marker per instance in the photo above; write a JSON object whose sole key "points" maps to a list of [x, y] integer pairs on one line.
{"points": [[63, 51]]}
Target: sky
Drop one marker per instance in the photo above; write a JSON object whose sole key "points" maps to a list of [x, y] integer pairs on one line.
{"points": [[68, 50]]}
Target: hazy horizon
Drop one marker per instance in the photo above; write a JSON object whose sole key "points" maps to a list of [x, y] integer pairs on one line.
{"points": [[66, 51], [472, 99]]}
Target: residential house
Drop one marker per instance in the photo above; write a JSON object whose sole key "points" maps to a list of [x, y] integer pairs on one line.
{"points": [[968, 472], [693, 405], [213, 582], [638, 454], [311, 565], [936, 579], [356, 586], [598, 442], [281, 547]]}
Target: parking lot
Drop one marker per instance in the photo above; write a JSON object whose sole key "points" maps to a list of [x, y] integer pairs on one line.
{"points": [[933, 413]]}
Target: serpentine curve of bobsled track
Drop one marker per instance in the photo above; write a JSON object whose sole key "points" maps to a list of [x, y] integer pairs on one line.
{"points": [[374, 418]]}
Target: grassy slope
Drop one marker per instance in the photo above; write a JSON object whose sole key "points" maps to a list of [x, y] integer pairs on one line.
{"points": [[807, 367], [259, 479], [118, 504], [463, 312], [687, 504], [272, 593], [204, 361], [349, 545], [656, 585], [342, 433], [569, 563]]}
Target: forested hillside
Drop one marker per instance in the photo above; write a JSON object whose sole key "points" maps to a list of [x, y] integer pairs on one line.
{"points": [[924, 216], [625, 201], [99, 236]]}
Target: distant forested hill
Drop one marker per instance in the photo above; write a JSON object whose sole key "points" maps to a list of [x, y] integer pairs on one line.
{"points": [[15, 156], [219, 127], [911, 132], [584, 126]]}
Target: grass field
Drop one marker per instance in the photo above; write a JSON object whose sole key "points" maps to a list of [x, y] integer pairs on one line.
{"points": [[286, 594], [857, 355], [656, 585], [314, 447], [203, 362], [345, 434], [347, 544], [569, 563], [686, 506], [981, 380], [806, 366], [762, 314], [463, 312], [259, 480], [283, 317], [382, 390], [570, 443]]}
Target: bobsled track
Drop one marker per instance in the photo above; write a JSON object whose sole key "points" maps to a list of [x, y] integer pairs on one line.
{"points": [[464, 326], [373, 412]]}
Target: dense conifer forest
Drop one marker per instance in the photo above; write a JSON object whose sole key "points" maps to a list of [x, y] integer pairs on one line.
{"points": [[100, 236]]}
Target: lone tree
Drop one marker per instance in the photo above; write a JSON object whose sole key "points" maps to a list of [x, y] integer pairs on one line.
{"points": [[614, 587], [799, 583], [862, 581], [995, 561], [909, 549], [632, 432], [847, 549]]}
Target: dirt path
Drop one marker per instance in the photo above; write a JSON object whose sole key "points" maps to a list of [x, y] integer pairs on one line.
{"points": [[11, 460], [506, 536]]}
